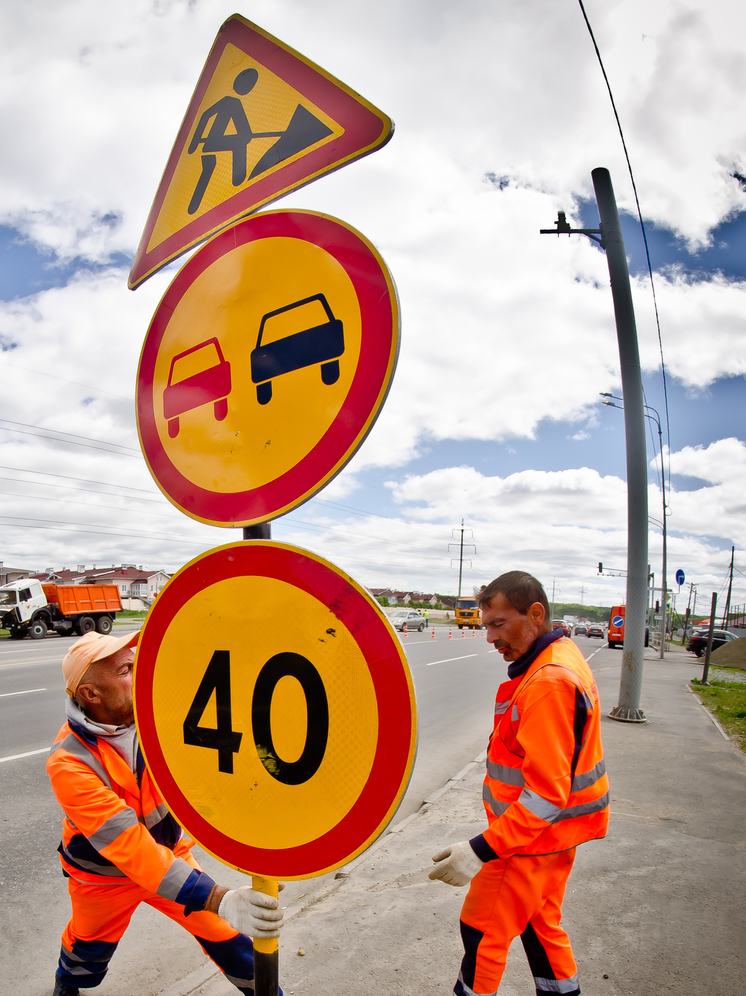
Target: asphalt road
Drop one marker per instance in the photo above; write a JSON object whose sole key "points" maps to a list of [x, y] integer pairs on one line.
{"points": [[455, 682]]}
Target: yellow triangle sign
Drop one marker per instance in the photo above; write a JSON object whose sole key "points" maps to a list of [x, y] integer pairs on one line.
{"points": [[263, 120]]}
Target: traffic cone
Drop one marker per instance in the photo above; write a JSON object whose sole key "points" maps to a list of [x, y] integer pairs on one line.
{"points": [[432, 632], [406, 631], [474, 631], [463, 634], [450, 632]]}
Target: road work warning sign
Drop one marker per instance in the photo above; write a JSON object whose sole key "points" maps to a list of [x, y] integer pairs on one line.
{"points": [[265, 366], [275, 708], [263, 121]]}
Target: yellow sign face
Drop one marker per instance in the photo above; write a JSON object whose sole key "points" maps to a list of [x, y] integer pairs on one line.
{"points": [[266, 709], [263, 121], [232, 142], [265, 365], [230, 298]]}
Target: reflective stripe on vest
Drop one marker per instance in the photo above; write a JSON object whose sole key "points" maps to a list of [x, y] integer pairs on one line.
{"points": [[571, 819], [174, 879], [73, 746]]}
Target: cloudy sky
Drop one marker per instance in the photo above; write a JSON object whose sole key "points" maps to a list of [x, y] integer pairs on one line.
{"points": [[508, 338]]}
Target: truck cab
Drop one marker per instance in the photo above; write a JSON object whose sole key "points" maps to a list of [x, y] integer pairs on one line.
{"points": [[467, 613], [19, 601]]}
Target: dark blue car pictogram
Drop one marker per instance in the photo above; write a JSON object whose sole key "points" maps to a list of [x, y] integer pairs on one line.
{"points": [[322, 344]]}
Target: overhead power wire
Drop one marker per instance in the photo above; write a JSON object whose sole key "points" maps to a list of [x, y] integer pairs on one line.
{"points": [[67, 487], [642, 223], [65, 380], [30, 522], [68, 437], [85, 504], [80, 480]]}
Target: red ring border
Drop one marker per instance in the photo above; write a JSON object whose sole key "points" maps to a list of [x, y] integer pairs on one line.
{"points": [[379, 312], [394, 756]]}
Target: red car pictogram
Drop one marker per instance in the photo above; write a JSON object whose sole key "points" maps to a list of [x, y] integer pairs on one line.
{"points": [[211, 384]]}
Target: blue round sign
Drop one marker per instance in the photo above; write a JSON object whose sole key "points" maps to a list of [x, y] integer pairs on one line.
{"points": [[680, 577], [618, 621]]}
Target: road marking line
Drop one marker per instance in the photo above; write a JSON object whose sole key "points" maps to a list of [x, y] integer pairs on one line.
{"points": [[34, 660], [29, 753], [594, 653], [463, 657], [27, 691]]}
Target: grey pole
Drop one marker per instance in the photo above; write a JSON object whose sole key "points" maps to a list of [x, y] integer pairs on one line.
{"points": [[262, 530], [713, 607], [630, 688]]}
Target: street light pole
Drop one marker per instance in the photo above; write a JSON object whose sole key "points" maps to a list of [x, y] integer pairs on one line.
{"points": [[655, 417], [628, 709]]}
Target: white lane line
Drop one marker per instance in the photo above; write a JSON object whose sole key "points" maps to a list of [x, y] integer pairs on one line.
{"points": [[594, 653], [29, 753], [34, 660], [26, 691], [463, 657]]}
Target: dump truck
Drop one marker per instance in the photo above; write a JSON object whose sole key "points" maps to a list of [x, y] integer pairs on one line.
{"points": [[467, 613], [30, 608]]}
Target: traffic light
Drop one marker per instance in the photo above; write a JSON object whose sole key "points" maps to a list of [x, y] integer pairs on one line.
{"points": [[657, 606], [600, 567]]}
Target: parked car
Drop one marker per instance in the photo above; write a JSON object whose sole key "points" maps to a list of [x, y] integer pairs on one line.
{"points": [[698, 641], [408, 618], [596, 630], [581, 630]]}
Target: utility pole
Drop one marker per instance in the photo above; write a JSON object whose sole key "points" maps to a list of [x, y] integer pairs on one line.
{"points": [[469, 546], [554, 582], [730, 589], [582, 594], [610, 232]]}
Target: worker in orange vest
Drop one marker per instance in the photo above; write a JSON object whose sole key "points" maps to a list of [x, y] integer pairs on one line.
{"points": [[545, 792], [120, 845]]}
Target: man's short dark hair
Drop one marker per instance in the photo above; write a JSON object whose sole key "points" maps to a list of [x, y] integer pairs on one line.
{"points": [[518, 588]]}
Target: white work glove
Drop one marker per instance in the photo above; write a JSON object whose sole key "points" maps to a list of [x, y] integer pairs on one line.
{"points": [[457, 864], [252, 913]]}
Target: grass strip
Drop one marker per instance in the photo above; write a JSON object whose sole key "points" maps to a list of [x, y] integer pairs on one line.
{"points": [[726, 700]]}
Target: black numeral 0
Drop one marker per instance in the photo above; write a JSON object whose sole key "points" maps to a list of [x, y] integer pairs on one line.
{"points": [[317, 731]]}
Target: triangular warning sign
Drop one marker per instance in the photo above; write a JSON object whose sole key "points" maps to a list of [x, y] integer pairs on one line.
{"points": [[263, 120]]}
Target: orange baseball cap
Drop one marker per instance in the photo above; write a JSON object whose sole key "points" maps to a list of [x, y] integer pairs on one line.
{"points": [[86, 651]]}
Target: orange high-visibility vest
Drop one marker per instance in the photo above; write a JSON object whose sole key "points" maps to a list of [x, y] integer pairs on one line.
{"points": [[116, 829], [546, 788]]}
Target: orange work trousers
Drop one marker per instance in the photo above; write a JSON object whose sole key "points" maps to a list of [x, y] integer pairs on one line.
{"points": [[517, 897], [101, 914]]}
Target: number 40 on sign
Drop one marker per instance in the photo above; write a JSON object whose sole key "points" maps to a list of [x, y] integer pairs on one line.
{"points": [[275, 709]]}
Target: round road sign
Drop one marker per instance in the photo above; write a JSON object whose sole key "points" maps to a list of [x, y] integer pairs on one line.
{"points": [[265, 365], [275, 709], [618, 621], [680, 577]]}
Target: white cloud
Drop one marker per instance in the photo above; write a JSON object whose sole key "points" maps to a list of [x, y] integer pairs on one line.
{"points": [[502, 328]]}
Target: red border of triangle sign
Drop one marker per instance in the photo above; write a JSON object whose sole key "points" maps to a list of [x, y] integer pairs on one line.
{"points": [[363, 130]]}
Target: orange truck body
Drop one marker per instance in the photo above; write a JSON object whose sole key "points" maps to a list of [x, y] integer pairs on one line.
{"points": [[77, 599], [615, 633]]}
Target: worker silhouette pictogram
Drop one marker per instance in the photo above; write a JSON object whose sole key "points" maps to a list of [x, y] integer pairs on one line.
{"points": [[230, 131]]}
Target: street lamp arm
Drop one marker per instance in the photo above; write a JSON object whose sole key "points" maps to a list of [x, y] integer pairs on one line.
{"points": [[563, 228]]}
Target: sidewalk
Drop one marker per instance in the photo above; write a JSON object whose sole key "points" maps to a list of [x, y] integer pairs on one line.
{"points": [[656, 907]]}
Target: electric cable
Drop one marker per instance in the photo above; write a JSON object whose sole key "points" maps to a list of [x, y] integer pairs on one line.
{"points": [[70, 438], [642, 226]]}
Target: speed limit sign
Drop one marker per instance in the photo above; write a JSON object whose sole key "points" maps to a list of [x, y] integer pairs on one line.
{"points": [[275, 709]]}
